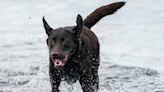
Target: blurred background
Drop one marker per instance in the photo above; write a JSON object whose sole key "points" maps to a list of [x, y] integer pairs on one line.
{"points": [[133, 36]]}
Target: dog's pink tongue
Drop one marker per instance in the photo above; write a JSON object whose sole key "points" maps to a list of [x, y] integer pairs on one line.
{"points": [[58, 63]]}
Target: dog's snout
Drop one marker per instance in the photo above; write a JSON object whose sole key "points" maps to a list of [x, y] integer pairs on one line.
{"points": [[57, 56]]}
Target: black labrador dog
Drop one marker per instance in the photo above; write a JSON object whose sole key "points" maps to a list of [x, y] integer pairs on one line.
{"points": [[74, 50]]}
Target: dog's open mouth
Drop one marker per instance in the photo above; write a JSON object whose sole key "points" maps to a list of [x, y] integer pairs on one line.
{"points": [[59, 63]]}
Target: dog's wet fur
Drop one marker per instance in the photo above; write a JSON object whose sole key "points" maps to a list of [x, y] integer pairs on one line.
{"points": [[74, 50]]}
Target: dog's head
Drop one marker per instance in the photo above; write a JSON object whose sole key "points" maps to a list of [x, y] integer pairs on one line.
{"points": [[63, 42]]}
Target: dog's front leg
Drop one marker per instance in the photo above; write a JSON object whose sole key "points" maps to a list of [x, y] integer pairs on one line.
{"points": [[86, 81], [55, 82], [95, 81], [54, 78]]}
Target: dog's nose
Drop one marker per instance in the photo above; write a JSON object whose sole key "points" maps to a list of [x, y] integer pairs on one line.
{"points": [[55, 55]]}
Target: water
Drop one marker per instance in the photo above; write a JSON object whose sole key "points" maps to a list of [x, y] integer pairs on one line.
{"points": [[131, 40]]}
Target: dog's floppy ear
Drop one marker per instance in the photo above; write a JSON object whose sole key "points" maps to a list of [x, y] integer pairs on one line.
{"points": [[47, 27], [79, 25]]}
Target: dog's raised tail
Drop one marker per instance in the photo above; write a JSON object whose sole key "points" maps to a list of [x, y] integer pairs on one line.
{"points": [[101, 12]]}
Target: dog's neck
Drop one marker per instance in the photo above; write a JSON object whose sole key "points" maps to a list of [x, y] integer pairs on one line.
{"points": [[77, 54]]}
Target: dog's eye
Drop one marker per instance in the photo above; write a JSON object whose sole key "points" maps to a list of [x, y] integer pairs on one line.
{"points": [[64, 42], [52, 44]]}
